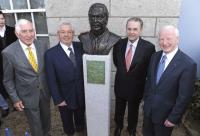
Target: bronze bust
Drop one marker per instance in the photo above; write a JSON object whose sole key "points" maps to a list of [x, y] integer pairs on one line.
{"points": [[99, 40]]}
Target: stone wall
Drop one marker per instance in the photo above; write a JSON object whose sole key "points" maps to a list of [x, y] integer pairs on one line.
{"points": [[155, 13]]}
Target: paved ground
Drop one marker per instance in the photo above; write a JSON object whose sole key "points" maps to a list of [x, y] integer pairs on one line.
{"points": [[18, 124]]}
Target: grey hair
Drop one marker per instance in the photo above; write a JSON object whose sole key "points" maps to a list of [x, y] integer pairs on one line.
{"points": [[136, 19], [65, 24], [168, 27], [19, 23]]}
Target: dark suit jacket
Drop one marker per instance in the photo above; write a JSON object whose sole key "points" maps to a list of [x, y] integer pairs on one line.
{"points": [[130, 85], [170, 97], [9, 37], [20, 79], [64, 80]]}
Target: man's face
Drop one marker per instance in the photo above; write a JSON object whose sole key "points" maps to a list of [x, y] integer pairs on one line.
{"points": [[168, 40], [133, 30], [2, 21], [26, 34], [98, 20], [66, 34]]}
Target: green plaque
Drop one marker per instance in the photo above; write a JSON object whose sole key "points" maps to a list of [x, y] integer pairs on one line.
{"points": [[95, 72]]}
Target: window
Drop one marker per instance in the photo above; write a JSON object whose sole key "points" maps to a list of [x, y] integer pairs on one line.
{"points": [[32, 10]]}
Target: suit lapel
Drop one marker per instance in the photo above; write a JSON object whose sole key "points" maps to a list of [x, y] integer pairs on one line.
{"points": [[39, 57], [63, 54], [155, 67], [21, 55], [170, 68], [123, 51], [137, 55], [77, 53]]}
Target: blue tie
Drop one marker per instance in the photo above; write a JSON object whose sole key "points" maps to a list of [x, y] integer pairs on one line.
{"points": [[161, 68]]}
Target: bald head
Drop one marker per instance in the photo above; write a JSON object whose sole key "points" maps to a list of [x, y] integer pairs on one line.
{"points": [[168, 38]]}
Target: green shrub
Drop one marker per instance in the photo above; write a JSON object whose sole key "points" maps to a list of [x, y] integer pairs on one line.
{"points": [[194, 108]]}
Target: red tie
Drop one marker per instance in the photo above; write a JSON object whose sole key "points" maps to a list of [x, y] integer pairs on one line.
{"points": [[129, 57]]}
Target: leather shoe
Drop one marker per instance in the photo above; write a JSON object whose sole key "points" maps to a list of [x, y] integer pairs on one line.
{"points": [[117, 131], [132, 134], [4, 113]]}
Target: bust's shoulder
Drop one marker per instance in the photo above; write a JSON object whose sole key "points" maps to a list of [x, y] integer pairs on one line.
{"points": [[114, 35], [83, 35]]}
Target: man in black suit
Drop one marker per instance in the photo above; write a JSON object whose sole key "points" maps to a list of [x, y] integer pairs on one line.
{"points": [[131, 57], [169, 85], [65, 79], [7, 36]]}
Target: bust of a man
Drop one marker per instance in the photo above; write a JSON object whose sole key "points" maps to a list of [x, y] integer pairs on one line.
{"points": [[99, 40]]}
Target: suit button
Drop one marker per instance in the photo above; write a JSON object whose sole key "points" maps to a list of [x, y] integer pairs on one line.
{"points": [[38, 86]]}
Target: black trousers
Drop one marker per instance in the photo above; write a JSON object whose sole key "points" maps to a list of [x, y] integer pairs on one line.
{"points": [[133, 108], [152, 129], [72, 119]]}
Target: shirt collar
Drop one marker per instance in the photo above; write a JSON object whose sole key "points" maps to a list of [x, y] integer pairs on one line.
{"points": [[64, 46], [134, 43], [171, 54], [24, 46]]}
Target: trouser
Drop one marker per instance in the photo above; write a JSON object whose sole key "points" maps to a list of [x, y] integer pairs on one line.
{"points": [[152, 129], [133, 108], [3, 103], [39, 118], [72, 119]]}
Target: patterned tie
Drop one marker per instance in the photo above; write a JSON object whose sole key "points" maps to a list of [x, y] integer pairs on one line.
{"points": [[32, 59], [161, 68], [72, 56], [129, 57]]}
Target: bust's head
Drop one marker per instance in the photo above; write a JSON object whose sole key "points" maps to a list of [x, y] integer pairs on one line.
{"points": [[98, 18]]}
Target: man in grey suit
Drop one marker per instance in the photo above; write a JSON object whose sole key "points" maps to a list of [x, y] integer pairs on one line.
{"points": [[24, 78]]}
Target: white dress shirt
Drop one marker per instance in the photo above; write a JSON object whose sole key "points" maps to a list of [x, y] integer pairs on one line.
{"points": [[65, 48], [134, 45], [169, 56], [2, 31]]}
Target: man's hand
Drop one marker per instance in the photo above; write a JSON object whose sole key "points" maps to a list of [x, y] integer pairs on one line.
{"points": [[63, 103], [168, 124], [19, 106]]}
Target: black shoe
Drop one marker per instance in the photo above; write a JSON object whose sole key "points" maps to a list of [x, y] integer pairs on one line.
{"points": [[132, 133], [4, 113], [117, 131]]}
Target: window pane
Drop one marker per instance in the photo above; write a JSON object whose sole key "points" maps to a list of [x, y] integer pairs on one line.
{"points": [[40, 23], [10, 19], [5, 4], [37, 4], [24, 16], [20, 4], [44, 40]]}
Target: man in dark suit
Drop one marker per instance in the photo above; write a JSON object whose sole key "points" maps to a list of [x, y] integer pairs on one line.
{"points": [[65, 79], [7, 36], [169, 86], [25, 80], [131, 57]]}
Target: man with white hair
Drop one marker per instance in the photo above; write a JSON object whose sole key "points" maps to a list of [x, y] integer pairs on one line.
{"points": [[24, 78], [169, 86]]}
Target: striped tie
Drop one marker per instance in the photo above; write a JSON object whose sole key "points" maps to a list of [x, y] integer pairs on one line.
{"points": [[32, 59]]}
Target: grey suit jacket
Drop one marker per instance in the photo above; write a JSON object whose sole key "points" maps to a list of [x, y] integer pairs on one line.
{"points": [[20, 80]]}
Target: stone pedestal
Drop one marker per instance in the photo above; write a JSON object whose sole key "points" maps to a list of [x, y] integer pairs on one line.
{"points": [[97, 81]]}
